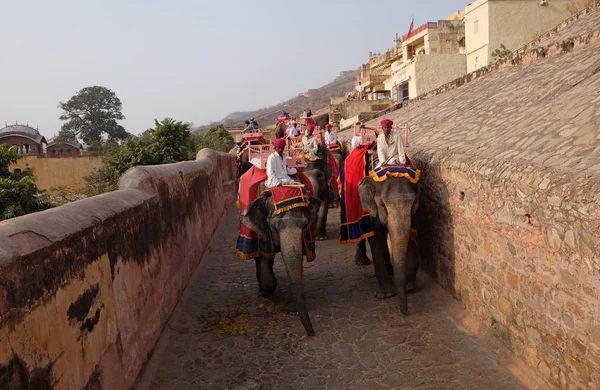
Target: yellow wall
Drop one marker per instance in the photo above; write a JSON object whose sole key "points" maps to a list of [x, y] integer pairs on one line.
{"points": [[476, 43], [54, 172], [512, 23]]}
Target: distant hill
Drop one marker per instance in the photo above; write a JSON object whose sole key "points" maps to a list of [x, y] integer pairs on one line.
{"points": [[315, 99]]}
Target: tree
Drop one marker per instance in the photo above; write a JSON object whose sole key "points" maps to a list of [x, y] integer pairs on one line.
{"points": [[216, 138], [92, 115], [19, 194], [168, 142], [501, 52]]}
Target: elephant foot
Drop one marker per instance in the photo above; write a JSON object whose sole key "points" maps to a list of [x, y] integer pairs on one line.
{"points": [[322, 237], [267, 287], [383, 294], [410, 286], [362, 260]]}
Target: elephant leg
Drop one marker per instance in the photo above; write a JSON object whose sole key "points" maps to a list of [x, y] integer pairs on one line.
{"points": [[412, 266], [322, 220], [360, 257], [267, 282], [381, 258]]}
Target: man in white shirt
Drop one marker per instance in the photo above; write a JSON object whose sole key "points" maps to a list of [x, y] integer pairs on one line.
{"points": [[278, 173], [330, 137], [389, 146], [310, 142], [293, 131], [360, 89]]}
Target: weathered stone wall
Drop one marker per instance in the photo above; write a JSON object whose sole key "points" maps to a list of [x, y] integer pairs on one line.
{"points": [[86, 288], [510, 214], [61, 171]]}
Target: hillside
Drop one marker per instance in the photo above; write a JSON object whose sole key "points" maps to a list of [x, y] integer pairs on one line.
{"points": [[315, 99]]}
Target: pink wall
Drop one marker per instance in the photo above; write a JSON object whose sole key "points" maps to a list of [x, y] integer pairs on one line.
{"points": [[105, 273]]}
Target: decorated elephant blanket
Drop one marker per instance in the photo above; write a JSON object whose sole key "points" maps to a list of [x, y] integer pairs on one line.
{"points": [[382, 173], [334, 167], [336, 147], [249, 245], [355, 223]]}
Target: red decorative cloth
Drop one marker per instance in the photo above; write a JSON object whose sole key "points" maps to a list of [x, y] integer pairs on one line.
{"points": [[335, 169]]}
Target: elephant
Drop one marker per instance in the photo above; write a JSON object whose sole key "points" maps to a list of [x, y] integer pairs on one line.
{"points": [[319, 173], [286, 231], [391, 204]]}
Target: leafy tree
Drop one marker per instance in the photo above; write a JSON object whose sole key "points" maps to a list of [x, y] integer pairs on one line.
{"points": [[501, 52], [92, 115], [216, 138], [168, 142], [19, 194]]}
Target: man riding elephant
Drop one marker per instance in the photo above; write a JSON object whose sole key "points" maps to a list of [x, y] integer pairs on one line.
{"points": [[379, 202], [323, 172], [279, 219]]}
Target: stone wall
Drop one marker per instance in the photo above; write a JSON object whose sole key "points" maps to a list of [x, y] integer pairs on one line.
{"points": [[86, 288], [518, 246], [60, 171], [510, 214]]}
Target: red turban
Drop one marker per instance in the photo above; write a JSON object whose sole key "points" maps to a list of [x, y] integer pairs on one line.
{"points": [[279, 143], [328, 126], [386, 123], [310, 127]]}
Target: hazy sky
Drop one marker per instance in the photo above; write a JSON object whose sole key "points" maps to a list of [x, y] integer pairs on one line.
{"points": [[194, 61]]}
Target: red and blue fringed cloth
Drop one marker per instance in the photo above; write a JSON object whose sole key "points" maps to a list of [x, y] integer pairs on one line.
{"points": [[355, 223], [336, 147], [382, 173], [249, 245]]}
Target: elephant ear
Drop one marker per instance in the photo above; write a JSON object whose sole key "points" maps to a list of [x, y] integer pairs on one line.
{"points": [[255, 218], [366, 191], [415, 205], [313, 209]]}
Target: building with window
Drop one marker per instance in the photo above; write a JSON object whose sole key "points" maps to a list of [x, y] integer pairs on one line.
{"points": [[28, 140], [432, 54], [491, 23], [67, 148]]}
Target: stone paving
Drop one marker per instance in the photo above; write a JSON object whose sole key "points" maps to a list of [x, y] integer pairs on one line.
{"points": [[224, 335]]}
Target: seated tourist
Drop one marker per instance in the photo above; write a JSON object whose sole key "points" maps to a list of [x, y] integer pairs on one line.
{"points": [[389, 146], [310, 142], [278, 173], [293, 131], [330, 137]]}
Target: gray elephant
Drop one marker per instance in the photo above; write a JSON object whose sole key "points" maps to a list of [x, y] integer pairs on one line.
{"points": [[286, 231], [391, 204], [319, 173]]}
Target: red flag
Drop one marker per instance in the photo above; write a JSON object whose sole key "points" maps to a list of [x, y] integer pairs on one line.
{"points": [[410, 29]]}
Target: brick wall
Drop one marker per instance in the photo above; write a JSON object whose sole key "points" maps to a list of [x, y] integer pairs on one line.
{"points": [[86, 288]]}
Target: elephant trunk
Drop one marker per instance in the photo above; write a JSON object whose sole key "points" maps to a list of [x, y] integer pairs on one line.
{"points": [[291, 251], [399, 230]]}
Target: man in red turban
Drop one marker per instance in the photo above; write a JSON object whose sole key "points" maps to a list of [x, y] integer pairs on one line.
{"points": [[389, 146], [278, 172]]}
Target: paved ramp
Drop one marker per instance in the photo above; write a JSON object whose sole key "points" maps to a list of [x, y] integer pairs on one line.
{"points": [[224, 335]]}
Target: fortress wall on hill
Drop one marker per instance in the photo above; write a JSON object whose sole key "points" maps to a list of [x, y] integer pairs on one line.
{"points": [[510, 210], [86, 288]]}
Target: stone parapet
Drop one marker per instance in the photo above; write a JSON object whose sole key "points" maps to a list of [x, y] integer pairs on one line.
{"points": [[86, 288], [519, 246]]}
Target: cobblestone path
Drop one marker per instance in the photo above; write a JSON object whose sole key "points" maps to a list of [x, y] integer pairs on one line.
{"points": [[224, 335]]}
